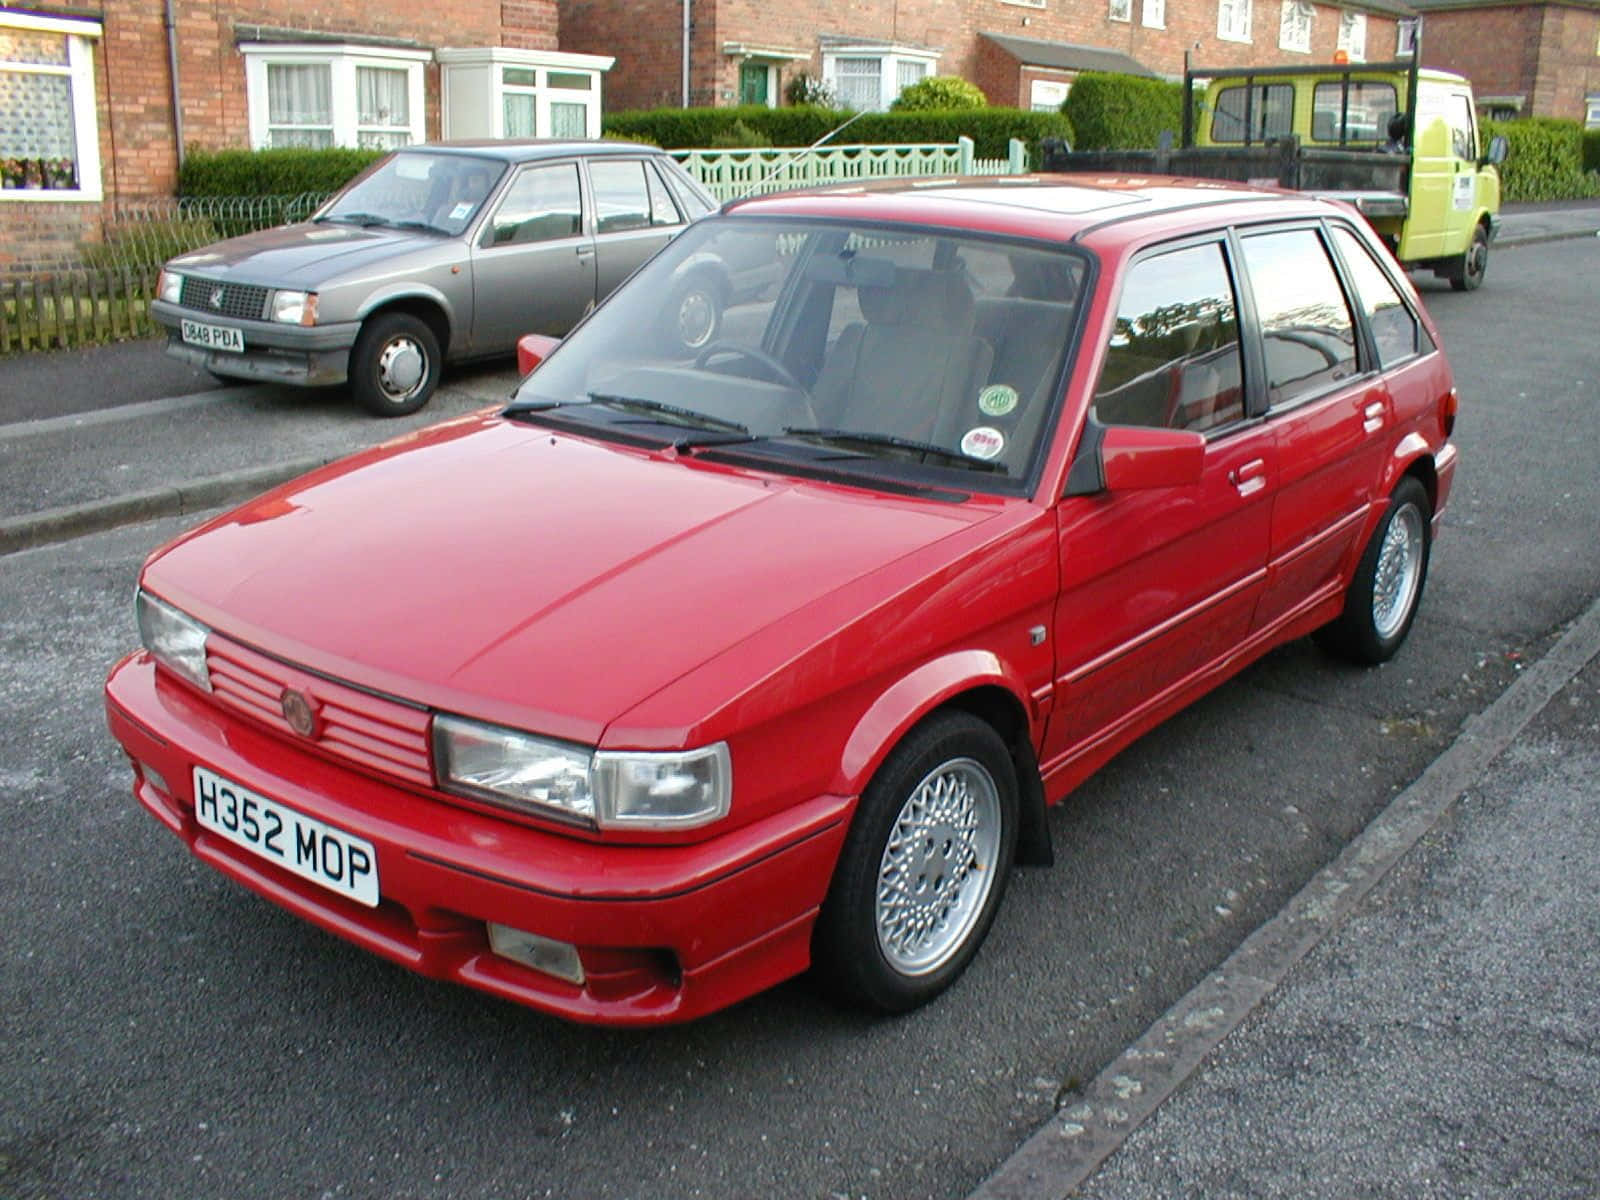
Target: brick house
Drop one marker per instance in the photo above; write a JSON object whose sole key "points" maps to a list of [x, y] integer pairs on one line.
{"points": [[1540, 60], [1020, 52], [95, 101]]}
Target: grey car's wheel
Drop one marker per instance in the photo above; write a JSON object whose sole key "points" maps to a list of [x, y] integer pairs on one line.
{"points": [[1467, 274], [394, 366], [923, 868], [1384, 594]]}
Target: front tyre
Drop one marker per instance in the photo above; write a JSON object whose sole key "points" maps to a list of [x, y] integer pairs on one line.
{"points": [[1383, 597], [394, 366], [923, 868], [1466, 275]]}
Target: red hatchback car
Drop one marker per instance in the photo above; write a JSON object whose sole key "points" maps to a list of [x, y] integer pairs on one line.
{"points": [[694, 668]]}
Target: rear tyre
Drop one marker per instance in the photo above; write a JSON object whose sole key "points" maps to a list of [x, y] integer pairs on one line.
{"points": [[1466, 275], [923, 868], [1383, 597], [394, 366]]}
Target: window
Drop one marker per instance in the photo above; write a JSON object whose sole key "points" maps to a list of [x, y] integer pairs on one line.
{"points": [[1463, 127], [1048, 95], [522, 94], [1591, 118], [1405, 39], [1173, 360], [1353, 35], [1395, 330], [629, 195], [1122, 10], [1294, 26], [868, 79], [541, 205], [49, 138], [318, 95], [1155, 14], [1306, 328], [1253, 114], [1233, 20], [1370, 105]]}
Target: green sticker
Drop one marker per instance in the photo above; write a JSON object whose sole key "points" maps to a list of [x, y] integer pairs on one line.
{"points": [[997, 400]]}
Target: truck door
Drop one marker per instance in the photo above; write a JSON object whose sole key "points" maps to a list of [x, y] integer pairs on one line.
{"points": [[1444, 173]]}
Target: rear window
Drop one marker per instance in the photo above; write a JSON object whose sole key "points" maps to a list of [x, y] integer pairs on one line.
{"points": [[1365, 114], [1254, 113]]}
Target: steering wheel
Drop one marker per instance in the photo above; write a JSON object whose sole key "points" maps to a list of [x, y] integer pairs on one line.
{"points": [[775, 368]]}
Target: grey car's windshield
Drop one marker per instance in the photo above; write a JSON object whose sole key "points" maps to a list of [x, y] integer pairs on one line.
{"points": [[922, 348], [416, 189]]}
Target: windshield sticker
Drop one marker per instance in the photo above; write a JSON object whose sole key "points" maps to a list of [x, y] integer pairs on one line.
{"points": [[997, 400], [984, 442], [460, 211]]}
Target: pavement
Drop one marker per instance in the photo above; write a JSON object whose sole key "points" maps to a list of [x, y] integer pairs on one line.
{"points": [[1410, 1024]]}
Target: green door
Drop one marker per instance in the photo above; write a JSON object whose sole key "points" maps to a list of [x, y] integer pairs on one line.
{"points": [[753, 84]]}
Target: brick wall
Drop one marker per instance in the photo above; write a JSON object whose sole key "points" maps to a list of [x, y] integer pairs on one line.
{"points": [[1543, 52]]}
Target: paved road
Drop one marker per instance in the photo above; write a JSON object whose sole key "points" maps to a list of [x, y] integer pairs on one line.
{"points": [[170, 1035]]}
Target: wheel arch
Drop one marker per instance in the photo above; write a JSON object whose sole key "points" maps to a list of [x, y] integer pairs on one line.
{"points": [[432, 309]]}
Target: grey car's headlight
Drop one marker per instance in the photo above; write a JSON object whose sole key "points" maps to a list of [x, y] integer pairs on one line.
{"points": [[174, 639], [609, 789], [170, 287], [294, 308]]}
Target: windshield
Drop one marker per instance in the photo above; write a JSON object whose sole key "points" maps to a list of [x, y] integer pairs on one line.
{"points": [[871, 349], [416, 189]]}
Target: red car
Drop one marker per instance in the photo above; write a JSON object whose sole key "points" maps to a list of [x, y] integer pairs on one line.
{"points": [[692, 669]]}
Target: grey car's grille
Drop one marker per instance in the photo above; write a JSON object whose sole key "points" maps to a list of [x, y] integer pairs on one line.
{"points": [[245, 300]]}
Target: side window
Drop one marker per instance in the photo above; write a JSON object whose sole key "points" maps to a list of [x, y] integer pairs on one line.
{"points": [[621, 199], [1253, 113], [662, 210], [1306, 328], [687, 193], [1463, 131], [541, 204], [1173, 359], [1395, 330]]}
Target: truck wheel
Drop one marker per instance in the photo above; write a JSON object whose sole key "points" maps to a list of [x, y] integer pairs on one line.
{"points": [[1466, 274], [395, 364]]}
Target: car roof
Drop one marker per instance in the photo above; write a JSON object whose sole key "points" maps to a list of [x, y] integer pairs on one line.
{"points": [[1053, 207], [518, 150]]}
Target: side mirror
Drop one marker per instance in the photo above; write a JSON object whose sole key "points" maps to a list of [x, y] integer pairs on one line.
{"points": [[533, 349], [1497, 151], [1127, 458]]}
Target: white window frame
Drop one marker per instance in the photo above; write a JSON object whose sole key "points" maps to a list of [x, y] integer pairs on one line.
{"points": [[1294, 26], [1591, 112], [1048, 95], [1353, 35], [1405, 38], [472, 88], [889, 59], [79, 71], [1154, 14], [342, 59], [1233, 20], [1120, 10]]}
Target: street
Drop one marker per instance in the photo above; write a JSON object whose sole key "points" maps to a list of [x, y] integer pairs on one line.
{"points": [[168, 1034]]}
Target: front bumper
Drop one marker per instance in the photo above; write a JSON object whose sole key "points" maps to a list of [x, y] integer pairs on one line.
{"points": [[666, 933], [307, 356]]}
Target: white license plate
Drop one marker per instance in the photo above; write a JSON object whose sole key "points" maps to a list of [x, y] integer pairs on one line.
{"points": [[213, 337], [326, 856]]}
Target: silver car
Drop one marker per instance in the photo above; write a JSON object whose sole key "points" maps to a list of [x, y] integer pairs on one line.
{"points": [[436, 253]]}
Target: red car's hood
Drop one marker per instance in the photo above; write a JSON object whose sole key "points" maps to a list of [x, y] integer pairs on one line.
{"points": [[528, 577]]}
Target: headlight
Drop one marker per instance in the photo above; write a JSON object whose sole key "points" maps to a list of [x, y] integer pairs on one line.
{"points": [[170, 287], [630, 789], [295, 308], [176, 641]]}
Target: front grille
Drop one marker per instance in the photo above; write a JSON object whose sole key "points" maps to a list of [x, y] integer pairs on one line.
{"points": [[247, 301], [379, 733]]}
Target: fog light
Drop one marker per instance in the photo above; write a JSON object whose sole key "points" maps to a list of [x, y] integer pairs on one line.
{"points": [[540, 953], [155, 779]]}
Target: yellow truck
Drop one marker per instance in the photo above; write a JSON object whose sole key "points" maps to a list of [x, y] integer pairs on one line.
{"points": [[1399, 142]]}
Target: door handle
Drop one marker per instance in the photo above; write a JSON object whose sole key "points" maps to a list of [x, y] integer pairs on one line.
{"points": [[585, 251], [1372, 414], [1249, 478]]}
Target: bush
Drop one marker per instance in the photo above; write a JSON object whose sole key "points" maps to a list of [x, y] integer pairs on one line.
{"points": [[809, 91], [270, 172], [739, 136], [1123, 112], [940, 93], [1544, 161]]}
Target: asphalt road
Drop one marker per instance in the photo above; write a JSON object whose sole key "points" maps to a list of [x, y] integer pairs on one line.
{"points": [[169, 1035]]}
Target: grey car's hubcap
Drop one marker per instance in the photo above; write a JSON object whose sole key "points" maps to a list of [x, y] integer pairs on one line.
{"points": [[697, 319], [1399, 572], [938, 866], [401, 369]]}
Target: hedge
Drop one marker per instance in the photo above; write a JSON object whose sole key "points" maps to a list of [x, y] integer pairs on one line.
{"points": [[270, 172], [1591, 149], [1544, 161], [1123, 112], [991, 129]]}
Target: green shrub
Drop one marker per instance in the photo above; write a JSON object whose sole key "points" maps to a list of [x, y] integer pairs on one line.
{"points": [[940, 93], [739, 136], [1123, 112], [270, 172], [1544, 160], [809, 91]]}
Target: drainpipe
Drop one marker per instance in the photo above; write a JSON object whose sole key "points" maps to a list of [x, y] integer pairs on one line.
{"points": [[685, 52], [172, 62]]}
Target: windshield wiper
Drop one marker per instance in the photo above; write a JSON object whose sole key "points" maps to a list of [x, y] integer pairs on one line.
{"points": [[422, 225], [865, 440], [364, 219], [677, 415]]}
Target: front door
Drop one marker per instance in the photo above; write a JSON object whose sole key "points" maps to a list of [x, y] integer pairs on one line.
{"points": [[755, 84]]}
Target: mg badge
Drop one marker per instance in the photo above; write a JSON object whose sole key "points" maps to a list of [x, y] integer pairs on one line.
{"points": [[216, 297], [299, 711]]}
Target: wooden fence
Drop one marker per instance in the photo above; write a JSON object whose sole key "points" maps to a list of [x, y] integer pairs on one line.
{"points": [[75, 308]]}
